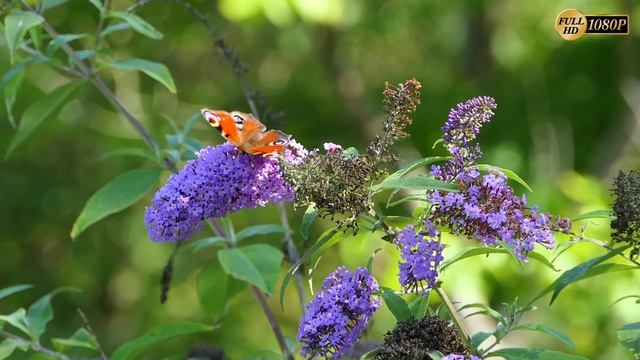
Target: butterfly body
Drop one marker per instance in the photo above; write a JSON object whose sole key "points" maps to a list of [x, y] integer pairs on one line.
{"points": [[246, 132]]}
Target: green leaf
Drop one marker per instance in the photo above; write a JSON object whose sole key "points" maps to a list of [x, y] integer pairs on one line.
{"points": [[117, 195], [533, 354], [157, 335], [41, 312], [60, 40], [42, 109], [287, 277], [482, 250], [420, 305], [415, 183], [155, 70], [416, 164], [130, 151], [256, 264], [215, 289], [256, 230], [629, 337], [138, 24], [486, 310], [17, 319], [309, 217], [397, 305], [114, 28], [508, 173], [80, 339], [627, 297], [478, 338], [50, 4], [371, 258], [201, 244], [549, 331], [16, 25], [595, 214], [10, 92], [18, 69], [8, 346], [577, 273], [97, 4], [13, 289], [594, 271]]}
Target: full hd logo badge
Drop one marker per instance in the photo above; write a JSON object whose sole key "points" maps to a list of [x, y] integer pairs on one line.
{"points": [[571, 24]]}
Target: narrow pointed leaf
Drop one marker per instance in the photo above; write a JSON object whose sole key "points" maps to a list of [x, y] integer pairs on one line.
{"points": [[13, 289], [16, 25], [396, 305], [120, 193], [309, 217], [155, 70], [138, 24], [595, 214], [257, 230], [42, 109], [508, 173], [549, 331]]}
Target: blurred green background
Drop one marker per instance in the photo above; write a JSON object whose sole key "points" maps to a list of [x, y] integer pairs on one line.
{"points": [[567, 120]]}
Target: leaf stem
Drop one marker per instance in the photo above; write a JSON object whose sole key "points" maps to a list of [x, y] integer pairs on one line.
{"points": [[87, 326], [35, 345], [454, 314], [293, 255], [106, 7]]}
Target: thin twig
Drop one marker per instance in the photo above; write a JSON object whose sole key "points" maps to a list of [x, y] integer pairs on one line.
{"points": [[87, 325], [293, 255], [104, 14], [36, 346]]}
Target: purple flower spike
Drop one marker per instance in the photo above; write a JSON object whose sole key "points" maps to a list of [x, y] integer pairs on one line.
{"points": [[221, 180], [339, 313], [486, 206], [421, 255], [466, 119]]}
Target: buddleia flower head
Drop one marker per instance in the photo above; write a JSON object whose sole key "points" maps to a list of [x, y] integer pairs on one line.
{"points": [[626, 209], [420, 256], [221, 180], [339, 313]]}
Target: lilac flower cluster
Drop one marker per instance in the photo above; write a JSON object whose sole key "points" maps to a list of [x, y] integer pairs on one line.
{"points": [[461, 357], [339, 313], [486, 206], [221, 180], [421, 253]]}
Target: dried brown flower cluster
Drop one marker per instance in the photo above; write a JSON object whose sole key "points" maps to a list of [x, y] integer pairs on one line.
{"points": [[413, 339], [399, 102], [626, 208], [338, 181]]}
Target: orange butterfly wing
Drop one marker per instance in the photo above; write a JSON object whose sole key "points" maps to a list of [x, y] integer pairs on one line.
{"points": [[270, 143], [223, 122], [248, 134]]}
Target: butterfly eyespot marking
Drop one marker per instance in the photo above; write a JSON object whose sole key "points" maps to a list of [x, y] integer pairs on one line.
{"points": [[279, 142], [238, 119]]}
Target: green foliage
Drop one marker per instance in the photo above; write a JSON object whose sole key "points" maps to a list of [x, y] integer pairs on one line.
{"points": [[138, 24], [16, 25], [215, 289], [415, 183], [534, 354], [154, 70], [482, 250], [259, 230], [309, 217], [257, 264], [80, 339], [155, 336], [595, 214], [629, 337], [8, 291], [396, 305], [120, 193], [43, 109]]}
